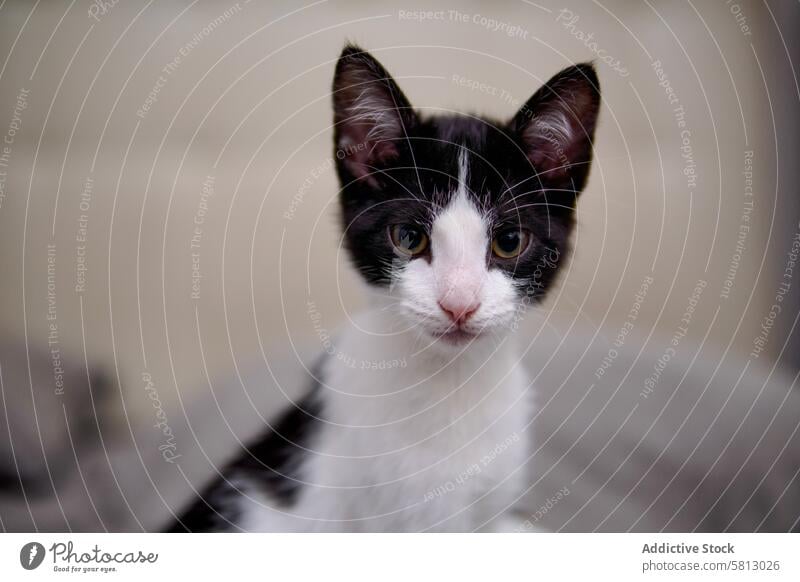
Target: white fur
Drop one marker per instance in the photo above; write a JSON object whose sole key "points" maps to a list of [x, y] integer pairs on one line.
{"points": [[439, 443], [555, 126], [374, 109], [457, 272]]}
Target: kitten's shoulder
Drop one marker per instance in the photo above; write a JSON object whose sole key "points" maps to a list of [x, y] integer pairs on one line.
{"points": [[272, 466]]}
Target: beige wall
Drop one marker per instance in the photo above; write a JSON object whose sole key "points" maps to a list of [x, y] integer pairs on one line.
{"points": [[249, 106]]}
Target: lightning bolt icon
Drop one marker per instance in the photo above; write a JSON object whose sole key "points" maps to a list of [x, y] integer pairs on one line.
{"points": [[34, 551]]}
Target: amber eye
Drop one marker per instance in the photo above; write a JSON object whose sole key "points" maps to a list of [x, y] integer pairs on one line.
{"points": [[409, 239], [509, 243]]}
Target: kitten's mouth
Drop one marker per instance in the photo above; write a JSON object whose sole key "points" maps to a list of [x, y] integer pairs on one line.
{"points": [[457, 337]]}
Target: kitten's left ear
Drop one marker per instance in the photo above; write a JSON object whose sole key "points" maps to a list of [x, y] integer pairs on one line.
{"points": [[556, 126], [371, 114]]}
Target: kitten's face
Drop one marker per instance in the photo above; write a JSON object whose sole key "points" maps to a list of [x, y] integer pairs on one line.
{"points": [[462, 220]]}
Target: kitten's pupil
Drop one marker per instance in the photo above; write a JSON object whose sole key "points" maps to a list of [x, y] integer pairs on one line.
{"points": [[508, 241], [409, 238]]}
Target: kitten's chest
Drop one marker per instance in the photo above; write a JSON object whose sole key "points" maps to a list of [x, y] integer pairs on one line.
{"points": [[436, 448], [438, 409]]}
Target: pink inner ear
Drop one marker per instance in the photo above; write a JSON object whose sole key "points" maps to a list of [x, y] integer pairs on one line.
{"points": [[362, 149], [370, 112], [557, 124], [556, 140]]}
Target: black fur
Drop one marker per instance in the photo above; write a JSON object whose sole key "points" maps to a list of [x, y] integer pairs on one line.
{"points": [[408, 171], [274, 462]]}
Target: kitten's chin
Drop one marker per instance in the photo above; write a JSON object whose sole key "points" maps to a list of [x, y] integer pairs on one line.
{"points": [[466, 340], [457, 337]]}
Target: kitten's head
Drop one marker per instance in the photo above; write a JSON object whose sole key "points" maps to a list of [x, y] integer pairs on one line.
{"points": [[460, 218]]}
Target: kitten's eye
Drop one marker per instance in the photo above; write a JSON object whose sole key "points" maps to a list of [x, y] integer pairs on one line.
{"points": [[409, 239], [509, 243]]}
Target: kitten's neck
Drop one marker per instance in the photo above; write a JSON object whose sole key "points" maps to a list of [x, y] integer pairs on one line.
{"points": [[412, 372]]}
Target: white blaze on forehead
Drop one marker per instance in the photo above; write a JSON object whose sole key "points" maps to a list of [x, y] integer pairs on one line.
{"points": [[458, 244]]}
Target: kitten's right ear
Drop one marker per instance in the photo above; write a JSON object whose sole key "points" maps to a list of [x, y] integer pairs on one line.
{"points": [[371, 114]]}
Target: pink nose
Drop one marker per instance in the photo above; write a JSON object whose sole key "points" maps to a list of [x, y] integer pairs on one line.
{"points": [[459, 312]]}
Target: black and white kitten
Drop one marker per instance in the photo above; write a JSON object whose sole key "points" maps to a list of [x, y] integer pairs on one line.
{"points": [[457, 223]]}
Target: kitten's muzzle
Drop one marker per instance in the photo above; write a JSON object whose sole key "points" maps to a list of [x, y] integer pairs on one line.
{"points": [[459, 312]]}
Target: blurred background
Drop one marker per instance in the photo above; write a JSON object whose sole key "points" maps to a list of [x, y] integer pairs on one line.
{"points": [[168, 226]]}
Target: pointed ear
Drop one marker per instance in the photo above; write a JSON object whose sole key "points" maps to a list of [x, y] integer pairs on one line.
{"points": [[371, 114], [556, 126]]}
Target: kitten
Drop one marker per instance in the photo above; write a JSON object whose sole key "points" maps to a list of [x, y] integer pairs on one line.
{"points": [[421, 421]]}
